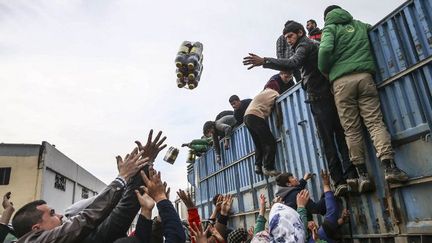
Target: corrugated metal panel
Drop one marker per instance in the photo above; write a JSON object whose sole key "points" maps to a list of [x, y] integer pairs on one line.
{"points": [[403, 39], [190, 174], [407, 103]]}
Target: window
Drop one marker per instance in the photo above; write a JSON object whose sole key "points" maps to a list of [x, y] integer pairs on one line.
{"points": [[84, 193], [5, 175], [60, 182]]}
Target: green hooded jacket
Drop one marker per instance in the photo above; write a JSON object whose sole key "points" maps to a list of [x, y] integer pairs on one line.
{"points": [[345, 47]]}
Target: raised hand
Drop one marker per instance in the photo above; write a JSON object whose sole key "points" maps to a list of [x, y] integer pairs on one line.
{"points": [[325, 177], [251, 232], [6, 201], [152, 148], [314, 230], [253, 60], [262, 205], [215, 233], [167, 190], [302, 198], [198, 234], [8, 209], [131, 164], [226, 205], [147, 204], [219, 202], [308, 176], [344, 217], [277, 199], [154, 186], [186, 198]]}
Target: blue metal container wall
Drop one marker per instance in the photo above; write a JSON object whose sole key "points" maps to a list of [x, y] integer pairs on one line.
{"points": [[402, 45], [403, 39]]}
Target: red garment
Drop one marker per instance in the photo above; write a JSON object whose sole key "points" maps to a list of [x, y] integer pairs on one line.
{"points": [[316, 37], [273, 84], [193, 217]]}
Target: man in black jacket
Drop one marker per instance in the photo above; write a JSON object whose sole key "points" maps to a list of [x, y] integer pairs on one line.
{"points": [[320, 99], [239, 107], [314, 32], [119, 220], [37, 222], [284, 50]]}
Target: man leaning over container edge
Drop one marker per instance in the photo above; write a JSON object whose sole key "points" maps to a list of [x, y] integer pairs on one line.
{"points": [[345, 56]]}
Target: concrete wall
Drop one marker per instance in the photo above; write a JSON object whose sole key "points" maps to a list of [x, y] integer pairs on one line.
{"points": [[77, 178], [56, 198], [33, 172], [60, 163], [25, 177], [181, 209]]}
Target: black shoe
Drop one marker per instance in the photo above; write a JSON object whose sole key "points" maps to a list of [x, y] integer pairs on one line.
{"points": [[364, 183], [341, 190], [258, 169], [271, 172], [395, 175]]}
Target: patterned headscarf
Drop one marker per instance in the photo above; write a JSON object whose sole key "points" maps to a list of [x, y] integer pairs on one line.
{"points": [[261, 237], [285, 225]]}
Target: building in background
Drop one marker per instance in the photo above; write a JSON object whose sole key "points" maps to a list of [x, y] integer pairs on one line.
{"points": [[33, 171]]}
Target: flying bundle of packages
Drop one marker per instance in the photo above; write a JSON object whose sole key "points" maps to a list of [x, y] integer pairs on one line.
{"points": [[189, 64]]}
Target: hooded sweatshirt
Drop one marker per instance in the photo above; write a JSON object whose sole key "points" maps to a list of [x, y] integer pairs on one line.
{"points": [[345, 47], [289, 193]]}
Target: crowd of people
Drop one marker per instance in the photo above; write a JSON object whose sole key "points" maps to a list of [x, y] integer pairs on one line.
{"points": [[335, 67]]}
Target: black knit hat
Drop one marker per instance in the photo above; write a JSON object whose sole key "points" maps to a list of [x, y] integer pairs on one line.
{"points": [[292, 26], [330, 8]]}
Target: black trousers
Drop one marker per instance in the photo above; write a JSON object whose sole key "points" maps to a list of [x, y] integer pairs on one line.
{"points": [[333, 139], [265, 143]]}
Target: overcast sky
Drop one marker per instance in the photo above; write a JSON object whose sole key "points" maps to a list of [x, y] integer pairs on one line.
{"points": [[92, 76]]}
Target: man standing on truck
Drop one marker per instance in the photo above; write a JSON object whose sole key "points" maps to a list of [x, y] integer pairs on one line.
{"points": [[320, 99], [314, 32], [345, 56], [239, 107]]}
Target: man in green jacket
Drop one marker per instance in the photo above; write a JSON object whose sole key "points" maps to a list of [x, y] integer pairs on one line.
{"points": [[345, 56]]}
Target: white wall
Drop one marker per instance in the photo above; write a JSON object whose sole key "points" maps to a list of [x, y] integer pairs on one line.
{"points": [[57, 199]]}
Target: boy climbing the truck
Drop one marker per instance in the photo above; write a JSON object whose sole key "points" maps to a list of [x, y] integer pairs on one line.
{"points": [[288, 186]]}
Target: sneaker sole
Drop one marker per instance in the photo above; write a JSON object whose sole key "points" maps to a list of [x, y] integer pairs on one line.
{"points": [[353, 184], [341, 191]]}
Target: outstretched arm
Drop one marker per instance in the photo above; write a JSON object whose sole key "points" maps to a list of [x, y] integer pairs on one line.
{"points": [[172, 227], [261, 220], [287, 64]]}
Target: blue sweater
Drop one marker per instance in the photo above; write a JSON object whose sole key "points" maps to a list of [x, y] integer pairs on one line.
{"points": [[332, 215], [172, 226]]}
